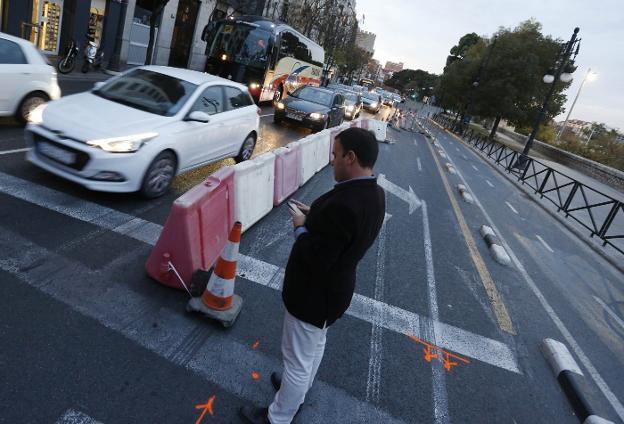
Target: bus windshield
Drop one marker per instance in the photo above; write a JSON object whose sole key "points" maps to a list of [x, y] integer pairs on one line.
{"points": [[240, 43]]}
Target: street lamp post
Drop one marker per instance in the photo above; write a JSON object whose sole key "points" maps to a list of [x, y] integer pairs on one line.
{"points": [[589, 75], [563, 59]]}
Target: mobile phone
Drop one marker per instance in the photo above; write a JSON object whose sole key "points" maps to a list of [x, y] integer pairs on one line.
{"points": [[293, 207]]}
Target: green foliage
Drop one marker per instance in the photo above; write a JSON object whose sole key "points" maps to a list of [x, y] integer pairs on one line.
{"points": [[459, 50], [417, 81]]}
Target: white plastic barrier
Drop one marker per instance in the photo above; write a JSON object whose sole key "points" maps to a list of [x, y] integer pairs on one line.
{"points": [[321, 152], [379, 128], [307, 164], [253, 189]]}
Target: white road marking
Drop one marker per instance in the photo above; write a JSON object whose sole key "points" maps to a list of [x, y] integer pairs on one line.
{"points": [[610, 312], [419, 164], [8, 152], [440, 396], [452, 338], [602, 385], [268, 114], [475, 168], [489, 183], [75, 417], [408, 196], [373, 383], [544, 243], [511, 207]]}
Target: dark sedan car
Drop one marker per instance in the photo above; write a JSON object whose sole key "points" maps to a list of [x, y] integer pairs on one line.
{"points": [[371, 102], [353, 104], [311, 107]]}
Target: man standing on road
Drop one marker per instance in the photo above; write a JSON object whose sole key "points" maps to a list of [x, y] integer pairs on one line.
{"points": [[332, 236]]}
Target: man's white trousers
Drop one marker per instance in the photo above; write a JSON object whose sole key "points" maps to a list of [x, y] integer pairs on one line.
{"points": [[303, 346]]}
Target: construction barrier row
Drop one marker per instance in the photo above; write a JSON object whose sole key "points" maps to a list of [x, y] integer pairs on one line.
{"points": [[200, 220]]}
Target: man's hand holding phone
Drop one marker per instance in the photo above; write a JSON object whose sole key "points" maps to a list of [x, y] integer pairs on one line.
{"points": [[298, 212]]}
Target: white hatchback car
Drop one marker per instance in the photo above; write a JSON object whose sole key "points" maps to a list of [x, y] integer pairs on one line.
{"points": [[28, 79], [136, 131]]}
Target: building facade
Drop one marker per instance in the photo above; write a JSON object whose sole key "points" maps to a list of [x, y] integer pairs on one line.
{"points": [[366, 41], [392, 67]]}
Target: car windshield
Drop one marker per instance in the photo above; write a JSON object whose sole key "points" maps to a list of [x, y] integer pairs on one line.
{"points": [[314, 95], [372, 96], [149, 91], [349, 96], [241, 43]]}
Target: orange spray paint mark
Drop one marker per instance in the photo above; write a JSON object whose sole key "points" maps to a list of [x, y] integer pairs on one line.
{"points": [[433, 351], [255, 375], [256, 344], [207, 407]]}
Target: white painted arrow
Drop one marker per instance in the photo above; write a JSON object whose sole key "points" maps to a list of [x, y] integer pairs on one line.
{"points": [[408, 196]]}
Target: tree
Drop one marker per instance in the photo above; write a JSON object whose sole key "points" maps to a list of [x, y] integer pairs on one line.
{"points": [[157, 7], [409, 79], [459, 50]]}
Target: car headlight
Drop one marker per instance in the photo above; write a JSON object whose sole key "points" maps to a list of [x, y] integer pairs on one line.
{"points": [[254, 86], [374, 104], [125, 144], [280, 106], [316, 116], [350, 108], [36, 115]]}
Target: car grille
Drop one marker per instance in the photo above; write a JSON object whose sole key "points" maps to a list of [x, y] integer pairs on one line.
{"points": [[295, 113], [60, 153]]}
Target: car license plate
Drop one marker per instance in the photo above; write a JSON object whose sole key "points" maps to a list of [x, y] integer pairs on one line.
{"points": [[56, 153], [294, 116]]}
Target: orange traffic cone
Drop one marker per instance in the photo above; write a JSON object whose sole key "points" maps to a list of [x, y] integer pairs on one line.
{"points": [[218, 300]]}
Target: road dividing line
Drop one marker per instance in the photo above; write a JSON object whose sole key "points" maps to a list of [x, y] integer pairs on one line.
{"points": [[268, 114], [544, 243], [610, 312], [75, 417], [419, 165], [475, 168], [602, 385], [8, 152], [373, 383], [398, 320], [489, 183], [511, 207], [500, 310], [440, 396]]}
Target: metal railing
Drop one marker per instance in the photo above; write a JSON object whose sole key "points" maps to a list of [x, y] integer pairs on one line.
{"points": [[597, 212]]}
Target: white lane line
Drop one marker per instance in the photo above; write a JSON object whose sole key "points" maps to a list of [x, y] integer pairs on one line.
{"points": [[419, 164], [544, 243], [511, 207], [76, 417], [475, 168], [373, 383], [268, 114], [457, 149], [8, 152], [610, 312], [489, 183], [440, 396], [396, 319], [602, 385]]}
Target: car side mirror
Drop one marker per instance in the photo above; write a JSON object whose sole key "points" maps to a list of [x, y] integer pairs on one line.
{"points": [[98, 85], [198, 116]]}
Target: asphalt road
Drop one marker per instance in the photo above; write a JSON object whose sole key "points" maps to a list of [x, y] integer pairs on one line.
{"points": [[85, 330]]}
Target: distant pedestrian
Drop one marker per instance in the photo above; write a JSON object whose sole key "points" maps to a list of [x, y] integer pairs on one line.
{"points": [[332, 235]]}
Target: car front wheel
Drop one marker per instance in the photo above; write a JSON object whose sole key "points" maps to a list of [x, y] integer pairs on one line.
{"points": [[30, 103], [246, 149], [159, 175]]}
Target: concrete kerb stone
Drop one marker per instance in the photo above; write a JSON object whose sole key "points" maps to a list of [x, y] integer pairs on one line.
{"points": [[572, 381], [450, 168], [465, 194], [592, 243], [497, 251]]}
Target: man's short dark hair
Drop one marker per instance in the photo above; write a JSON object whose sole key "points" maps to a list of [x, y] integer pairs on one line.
{"points": [[362, 142]]}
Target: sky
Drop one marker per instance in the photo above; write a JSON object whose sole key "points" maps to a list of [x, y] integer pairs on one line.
{"points": [[420, 34]]}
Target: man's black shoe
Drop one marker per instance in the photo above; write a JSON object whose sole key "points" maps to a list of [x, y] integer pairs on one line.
{"points": [[255, 415], [276, 380]]}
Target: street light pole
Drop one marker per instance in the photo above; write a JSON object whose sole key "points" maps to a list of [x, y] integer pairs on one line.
{"points": [[572, 107], [523, 158]]}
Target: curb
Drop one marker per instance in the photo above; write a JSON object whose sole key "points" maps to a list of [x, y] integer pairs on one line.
{"points": [[449, 167], [572, 381], [581, 236], [497, 251]]}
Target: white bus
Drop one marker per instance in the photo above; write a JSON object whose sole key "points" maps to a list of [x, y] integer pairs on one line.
{"points": [[271, 58]]}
